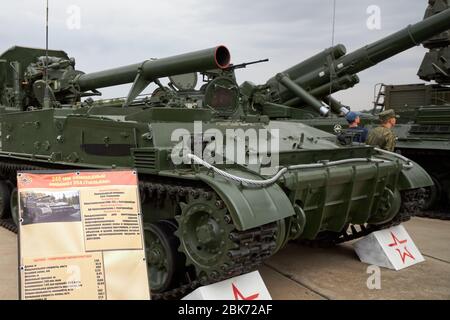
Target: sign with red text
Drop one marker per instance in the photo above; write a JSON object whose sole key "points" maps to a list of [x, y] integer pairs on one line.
{"points": [[249, 286], [391, 248], [81, 236]]}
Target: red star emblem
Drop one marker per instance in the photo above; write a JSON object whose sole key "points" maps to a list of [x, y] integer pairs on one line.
{"points": [[405, 252], [237, 294]]}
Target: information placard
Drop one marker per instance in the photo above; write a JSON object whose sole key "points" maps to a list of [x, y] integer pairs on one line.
{"points": [[81, 236]]}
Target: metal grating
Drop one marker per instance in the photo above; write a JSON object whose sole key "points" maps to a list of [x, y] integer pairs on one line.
{"points": [[145, 158]]}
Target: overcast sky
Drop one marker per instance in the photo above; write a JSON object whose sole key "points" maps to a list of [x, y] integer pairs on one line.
{"points": [[119, 32]]}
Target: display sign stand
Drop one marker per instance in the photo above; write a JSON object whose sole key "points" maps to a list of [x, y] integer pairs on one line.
{"points": [[249, 286], [81, 236], [390, 248]]}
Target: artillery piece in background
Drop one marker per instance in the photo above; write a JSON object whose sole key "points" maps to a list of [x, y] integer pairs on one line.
{"points": [[204, 223], [424, 136], [303, 91], [423, 129]]}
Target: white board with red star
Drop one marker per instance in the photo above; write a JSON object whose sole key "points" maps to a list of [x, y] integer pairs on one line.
{"points": [[248, 286], [391, 248]]}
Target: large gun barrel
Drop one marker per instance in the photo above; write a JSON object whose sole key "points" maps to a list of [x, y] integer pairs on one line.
{"points": [[324, 69], [213, 58], [22, 75]]}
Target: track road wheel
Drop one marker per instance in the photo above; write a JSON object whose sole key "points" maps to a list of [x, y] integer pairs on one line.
{"points": [[5, 195], [204, 233], [14, 205], [164, 261]]}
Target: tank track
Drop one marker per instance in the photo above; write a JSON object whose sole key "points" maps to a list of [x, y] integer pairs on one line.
{"points": [[434, 214], [437, 164], [9, 170], [412, 204], [439, 211], [248, 257], [9, 224], [253, 246]]}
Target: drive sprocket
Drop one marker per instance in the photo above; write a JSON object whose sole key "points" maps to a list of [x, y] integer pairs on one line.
{"points": [[204, 230]]}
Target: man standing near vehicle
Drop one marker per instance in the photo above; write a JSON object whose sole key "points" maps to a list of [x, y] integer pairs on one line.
{"points": [[354, 121], [383, 136]]}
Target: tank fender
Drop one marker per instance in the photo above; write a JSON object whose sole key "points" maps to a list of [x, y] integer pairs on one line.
{"points": [[414, 178], [250, 207]]}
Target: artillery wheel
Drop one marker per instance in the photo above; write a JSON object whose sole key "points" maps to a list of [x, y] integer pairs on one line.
{"points": [[164, 261], [5, 195]]}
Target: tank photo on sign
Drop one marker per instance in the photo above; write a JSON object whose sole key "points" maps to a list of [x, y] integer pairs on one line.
{"points": [[45, 207]]}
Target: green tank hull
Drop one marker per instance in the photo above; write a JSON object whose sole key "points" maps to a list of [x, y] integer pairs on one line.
{"points": [[221, 228], [422, 130]]}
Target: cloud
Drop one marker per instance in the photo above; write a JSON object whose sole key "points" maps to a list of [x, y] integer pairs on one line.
{"points": [[121, 32]]}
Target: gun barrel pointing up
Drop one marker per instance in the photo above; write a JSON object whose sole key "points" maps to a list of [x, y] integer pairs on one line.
{"points": [[213, 58], [329, 69]]}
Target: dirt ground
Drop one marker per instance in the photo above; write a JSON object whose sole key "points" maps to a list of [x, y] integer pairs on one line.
{"points": [[299, 272]]}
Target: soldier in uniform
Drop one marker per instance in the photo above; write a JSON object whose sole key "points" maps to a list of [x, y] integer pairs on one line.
{"points": [[382, 136]]}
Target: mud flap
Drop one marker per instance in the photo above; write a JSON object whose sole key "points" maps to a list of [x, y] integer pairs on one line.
{"points": [[414, 178], [250, 207]]}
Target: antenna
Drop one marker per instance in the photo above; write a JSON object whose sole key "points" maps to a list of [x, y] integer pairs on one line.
{"points": [[46, 98], [332, 45]]}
